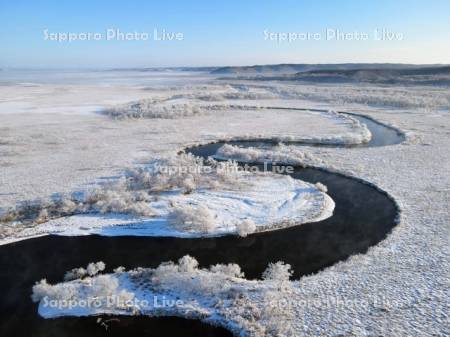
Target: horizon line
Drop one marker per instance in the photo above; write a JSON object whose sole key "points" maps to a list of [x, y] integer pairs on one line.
{"points": [[6, 68]]}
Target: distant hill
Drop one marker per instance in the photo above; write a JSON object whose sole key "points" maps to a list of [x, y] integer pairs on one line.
{"points": [[357, 73], [423, 75], [295, 68], [383, 72]]}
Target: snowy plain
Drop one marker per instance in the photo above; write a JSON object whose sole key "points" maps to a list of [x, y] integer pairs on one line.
{"points": [[54, 140]]}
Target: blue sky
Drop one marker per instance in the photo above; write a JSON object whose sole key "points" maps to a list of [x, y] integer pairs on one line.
{"points": [[222, 33]]}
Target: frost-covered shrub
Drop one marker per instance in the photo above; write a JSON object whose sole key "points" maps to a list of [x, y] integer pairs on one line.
{"points": [[171, 107], [104, 285], [246, 227], [42, 216], [260, 311], [113, 197], [282, 154], [100, 287], [132, 193], [40, 290], [277, 315], [186, 276], [226, 173], [231, 269], [211, 93], [278, 271], [117, 197], [164, 271], [321, 187], [395, 96], [75, 273], [152, 108], [192, 218], [237, 95], [94, 268], [36, 212], [188, 184], [249, 154], [67, 205], [63, 291], [185, 171], [187, 264]]}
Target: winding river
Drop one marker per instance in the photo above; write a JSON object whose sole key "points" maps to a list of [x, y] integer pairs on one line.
{"points": [[364, 215]]}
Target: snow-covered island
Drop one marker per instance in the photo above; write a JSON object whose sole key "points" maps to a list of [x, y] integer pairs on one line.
{"points": [[216, 295], [185, 198]]}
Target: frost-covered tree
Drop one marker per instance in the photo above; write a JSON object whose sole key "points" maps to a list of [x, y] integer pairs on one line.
{"points": [[188, 184], [278, 271], [192, 218], [60, 291], [246, 227], [75, 273], [154, 108], [94, 268], [133, 194], [231, 269], [40, 290], [100, 287], [321, 187], [287, 155], [187, 264], [277, 314]]}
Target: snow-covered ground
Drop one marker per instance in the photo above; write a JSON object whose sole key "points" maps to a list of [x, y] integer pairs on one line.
{"points": [[52, 141]]}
